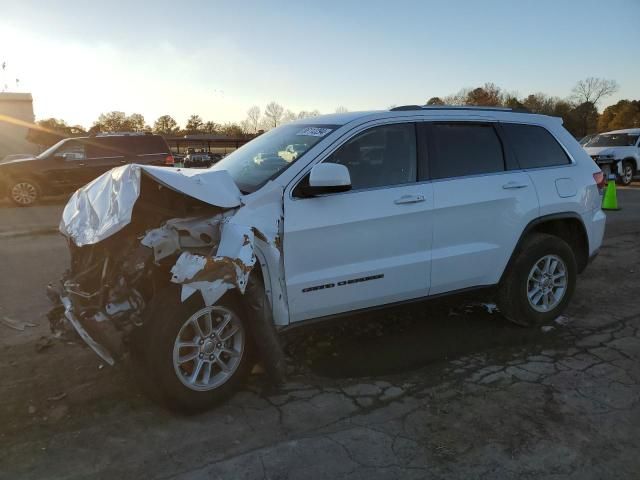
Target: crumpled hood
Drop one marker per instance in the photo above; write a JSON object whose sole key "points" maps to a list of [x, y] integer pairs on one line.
{"points": [[104, 206], [615, 151]]}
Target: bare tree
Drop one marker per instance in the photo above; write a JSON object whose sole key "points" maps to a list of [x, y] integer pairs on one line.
{"points": [[273, 112], [288, 116], [592, 89], [308, 114], [435, 101], [341, 109], [253, 119]]}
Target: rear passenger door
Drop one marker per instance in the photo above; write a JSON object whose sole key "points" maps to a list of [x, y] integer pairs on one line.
{"points": [[548, 166], [103, 154], [481, 204]]}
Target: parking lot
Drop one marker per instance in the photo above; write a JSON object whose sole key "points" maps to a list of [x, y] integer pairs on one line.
{"points": [[444, 389]]}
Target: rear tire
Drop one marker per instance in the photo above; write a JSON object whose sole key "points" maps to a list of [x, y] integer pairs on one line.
{"points": [[23, 192], [628, 171], [195, 363], [540, 282]]}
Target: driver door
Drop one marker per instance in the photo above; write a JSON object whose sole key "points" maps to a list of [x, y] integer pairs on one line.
{"points": [[366, 247], [70, 170]]}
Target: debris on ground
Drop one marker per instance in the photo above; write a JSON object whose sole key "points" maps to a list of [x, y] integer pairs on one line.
{"points": [[490, 307], [55, 398], [43, 343], [16, 324], [547, 328], [562, 320]]}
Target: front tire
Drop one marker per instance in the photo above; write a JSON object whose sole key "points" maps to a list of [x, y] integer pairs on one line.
{"points": [[24, 192], [539, 284], [196, 355]]}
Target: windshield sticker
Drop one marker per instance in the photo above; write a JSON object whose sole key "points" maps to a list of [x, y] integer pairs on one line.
{"points": [[314, 131]]}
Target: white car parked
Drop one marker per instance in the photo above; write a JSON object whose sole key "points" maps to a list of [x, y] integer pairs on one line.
{"points": [[618, 150], [199, 270]]}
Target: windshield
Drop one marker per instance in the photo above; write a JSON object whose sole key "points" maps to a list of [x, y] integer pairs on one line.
{"points": [[265, 157], [52, 149], [613, 140]]}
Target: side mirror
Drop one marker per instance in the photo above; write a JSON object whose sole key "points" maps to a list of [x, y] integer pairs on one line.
{"points": [[327, 178]]}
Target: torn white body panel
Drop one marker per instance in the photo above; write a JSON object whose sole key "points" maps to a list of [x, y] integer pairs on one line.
{"points": [[238, 237], [215, 253], [104, 206]]}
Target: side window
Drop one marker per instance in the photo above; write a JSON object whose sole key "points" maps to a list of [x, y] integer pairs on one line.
{"points": [[148, 144], [72, 151], [534, 146], [380, 156], [102, 147], [460, 149]]}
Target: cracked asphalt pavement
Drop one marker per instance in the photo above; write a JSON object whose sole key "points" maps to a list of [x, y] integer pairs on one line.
{"points": [[437, 390]]}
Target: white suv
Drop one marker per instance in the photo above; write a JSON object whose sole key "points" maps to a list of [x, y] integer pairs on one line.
{"points": [[618, 151], [200, 269]]}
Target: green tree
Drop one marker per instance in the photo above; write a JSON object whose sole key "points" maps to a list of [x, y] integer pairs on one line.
{"points": [[624, 114], [116, 121], [231, 130], [489, 95], [135, 122], [582, 120], [194, 125], [165, 125], [211, 128], [435, 101], [51, 130]]}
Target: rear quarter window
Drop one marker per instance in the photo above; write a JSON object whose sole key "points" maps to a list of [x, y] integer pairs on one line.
{"points": [[149, 144], [534, 146]]}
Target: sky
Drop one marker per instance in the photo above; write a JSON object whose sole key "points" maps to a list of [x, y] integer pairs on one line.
{"points": [[217, 59]]}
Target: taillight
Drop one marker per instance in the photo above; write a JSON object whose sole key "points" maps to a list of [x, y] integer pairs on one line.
{"points": [[599, 178], [169, 160]]}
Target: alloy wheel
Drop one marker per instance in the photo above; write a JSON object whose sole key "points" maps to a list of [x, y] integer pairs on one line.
{"points": [[209, 348], [24, 193], [547, 283]]}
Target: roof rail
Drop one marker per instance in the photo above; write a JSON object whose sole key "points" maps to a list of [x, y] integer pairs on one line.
{"points": [[457, 107], [121, 134]]}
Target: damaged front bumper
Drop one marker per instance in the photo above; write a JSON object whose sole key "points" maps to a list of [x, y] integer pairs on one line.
{"points": [[120, 261], [84, 334]]}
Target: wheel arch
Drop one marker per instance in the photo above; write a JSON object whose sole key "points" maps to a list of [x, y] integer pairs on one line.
{"points": [[634, 162], [566, 225]]}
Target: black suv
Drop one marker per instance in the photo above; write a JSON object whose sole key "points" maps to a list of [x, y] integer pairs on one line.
{"points": [[73, 162]]}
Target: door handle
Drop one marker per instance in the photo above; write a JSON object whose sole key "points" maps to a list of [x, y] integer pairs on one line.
{"points": [[409, 199], [80, 165], [514, 185]]}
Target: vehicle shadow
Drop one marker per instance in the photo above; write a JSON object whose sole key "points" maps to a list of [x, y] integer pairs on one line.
{"points": [[407, 338]]}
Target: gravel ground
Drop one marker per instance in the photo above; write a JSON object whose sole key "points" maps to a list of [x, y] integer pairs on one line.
{"points": [[437, 390]]}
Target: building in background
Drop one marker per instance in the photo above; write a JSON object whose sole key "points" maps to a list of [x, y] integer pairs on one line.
{"points": [[16, 114]]}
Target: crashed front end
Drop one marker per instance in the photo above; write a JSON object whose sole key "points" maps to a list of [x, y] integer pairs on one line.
{"points": [[136, 230]]}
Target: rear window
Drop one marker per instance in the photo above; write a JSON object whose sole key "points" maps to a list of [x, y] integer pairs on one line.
{"points": [[534, 146], [465, 149]]}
